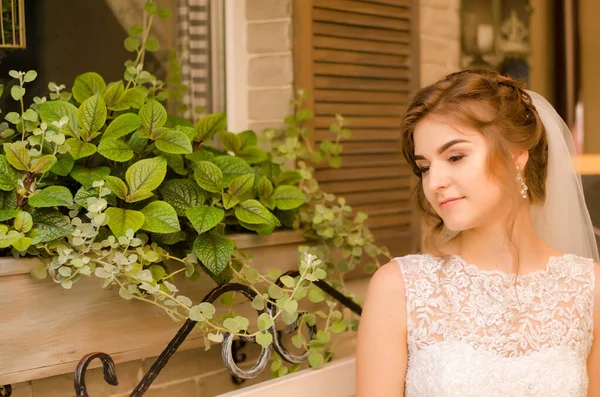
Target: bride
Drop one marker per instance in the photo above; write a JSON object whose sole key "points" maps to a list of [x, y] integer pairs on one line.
{"points": [[503, 302]]}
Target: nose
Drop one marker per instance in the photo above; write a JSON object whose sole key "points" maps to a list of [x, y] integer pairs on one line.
{"points": [[437, 178]]}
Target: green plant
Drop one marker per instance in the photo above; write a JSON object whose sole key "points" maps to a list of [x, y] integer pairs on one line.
{"points": [[102, 181]]}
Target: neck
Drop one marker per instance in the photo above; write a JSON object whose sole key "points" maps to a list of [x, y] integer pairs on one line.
{"points": [[490, 247]]}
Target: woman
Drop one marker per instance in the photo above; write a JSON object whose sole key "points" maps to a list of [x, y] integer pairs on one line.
{"points": [[504, 301]]}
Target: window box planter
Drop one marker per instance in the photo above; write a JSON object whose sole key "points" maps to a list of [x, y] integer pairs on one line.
{"points": [[46, 330]]}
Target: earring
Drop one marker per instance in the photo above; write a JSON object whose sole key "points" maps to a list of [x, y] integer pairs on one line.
{"points": [[522, 186]]}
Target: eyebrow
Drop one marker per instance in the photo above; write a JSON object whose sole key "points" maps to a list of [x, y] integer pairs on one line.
{"points": [[443, 148]]}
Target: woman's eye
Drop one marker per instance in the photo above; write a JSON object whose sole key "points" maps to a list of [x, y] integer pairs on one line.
{"points": [[454, 159], [424, 169]]}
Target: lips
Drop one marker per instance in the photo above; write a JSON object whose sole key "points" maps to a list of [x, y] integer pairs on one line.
{"points": [[448, 202]]}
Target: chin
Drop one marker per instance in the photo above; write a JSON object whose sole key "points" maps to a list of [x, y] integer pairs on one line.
{"points": [[457, 225]]}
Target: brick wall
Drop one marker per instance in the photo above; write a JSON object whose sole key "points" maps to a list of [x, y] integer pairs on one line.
{"points": [[270, 67], [440, 39]]}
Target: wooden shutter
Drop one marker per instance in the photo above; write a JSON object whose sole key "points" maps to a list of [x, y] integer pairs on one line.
{"points": [[360, 59]]}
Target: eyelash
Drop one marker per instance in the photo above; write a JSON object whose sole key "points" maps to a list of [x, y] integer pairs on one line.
{"points": [[451, 159]]}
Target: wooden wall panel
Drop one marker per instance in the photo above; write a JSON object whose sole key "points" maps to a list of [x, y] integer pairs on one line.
{"points": [[360, 59]]}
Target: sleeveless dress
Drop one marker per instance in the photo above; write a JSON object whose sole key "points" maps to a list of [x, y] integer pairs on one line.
{"points": [[471, 334]]}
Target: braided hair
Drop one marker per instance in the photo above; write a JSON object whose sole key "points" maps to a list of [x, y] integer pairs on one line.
{"points": [[501, 110]]}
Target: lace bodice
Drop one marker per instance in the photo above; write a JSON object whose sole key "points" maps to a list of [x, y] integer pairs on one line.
{"points": [[473, 332]]}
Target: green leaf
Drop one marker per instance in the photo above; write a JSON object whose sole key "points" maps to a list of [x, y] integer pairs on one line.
{"points": [[122, 220], [23, 222], [13, 117], [122, 125], [131, 44], [150, 8], [91, 115], [200, 155], [17, 93], [264, 339], [30, 115], [113, 93], [53, 196], [176, 163], [174, 142], [253, 212], [204, 218], [83, 194], [288, 197], [263, 230], [139, 195], [43, 164], [265, 322], [241, 184], [160, 218], [39, 272], [8, 199], [137, 142], [8, 175], [87, 85], [208, 176], [131, 98], [146, 174], [289, 178], [210, 125], [8, 214], [136, 30], [230, 141], [298, 341], [338, 327], [265, 187], [22, 244], [231, 167], [17, 155], [153, 115], [115, 149], [253, 155], [152, 44], [316, 360], [288, 281], [117, 186], [247, 138], [55, 110], [190, 132], [213, 251], [8, 239], [182, 194], [79, 149], [315, 294], [63, 166], [49, 225], [229, 200], [87, 176], [30, 76]]}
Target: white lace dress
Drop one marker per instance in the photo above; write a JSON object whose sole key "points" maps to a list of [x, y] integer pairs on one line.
{"points": [[468, 335]]}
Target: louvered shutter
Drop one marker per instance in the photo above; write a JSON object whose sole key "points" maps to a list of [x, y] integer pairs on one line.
{"points": [[360, 59]]}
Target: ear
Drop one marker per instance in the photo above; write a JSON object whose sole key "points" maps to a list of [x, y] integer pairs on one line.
{"points": [[520, 158]]}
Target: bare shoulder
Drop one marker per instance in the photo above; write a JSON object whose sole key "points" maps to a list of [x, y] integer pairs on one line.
{"points": [[387, 280]]}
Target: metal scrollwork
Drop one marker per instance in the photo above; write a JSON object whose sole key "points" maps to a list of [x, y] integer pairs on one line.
{"points": [[108, 366], [6, 391], [229, 348]]}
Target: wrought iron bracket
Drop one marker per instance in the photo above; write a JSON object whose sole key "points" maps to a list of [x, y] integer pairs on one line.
{"points": [[230, 348]]}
